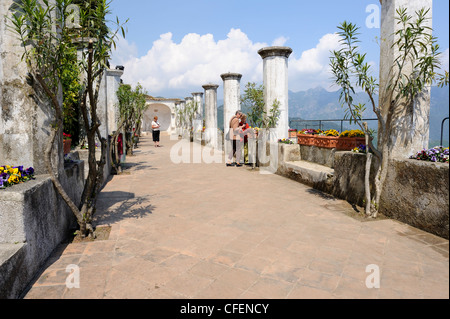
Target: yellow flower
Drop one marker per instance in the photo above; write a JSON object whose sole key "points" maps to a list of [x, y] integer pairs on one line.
{"points": [[13, 179]]}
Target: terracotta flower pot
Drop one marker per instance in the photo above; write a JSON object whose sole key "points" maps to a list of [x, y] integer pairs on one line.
{"points": [[67, 143], [326, 141], [292, 134], [349, 143], [306, 139]]}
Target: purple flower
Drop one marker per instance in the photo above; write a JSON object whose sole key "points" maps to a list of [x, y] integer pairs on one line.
{"points": [[29, 171]]}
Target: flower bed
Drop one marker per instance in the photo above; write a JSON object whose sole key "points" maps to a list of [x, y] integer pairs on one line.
{"points": [[345, 141], [292, 133], [285, 141], [435, 154], [14, 175]]}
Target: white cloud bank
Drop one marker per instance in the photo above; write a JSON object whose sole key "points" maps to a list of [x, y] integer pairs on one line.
{"points": [[173, 69]]}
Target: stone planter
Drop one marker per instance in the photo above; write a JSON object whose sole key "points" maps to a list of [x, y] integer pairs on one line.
{"points": [[67, 144], [326, 141], [306, 139], [349, 143]]}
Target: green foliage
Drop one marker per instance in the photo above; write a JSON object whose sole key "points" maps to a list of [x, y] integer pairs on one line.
{"points": [[71, 94], [49, 52], [253, 99], [132, 104], [415, 45]]}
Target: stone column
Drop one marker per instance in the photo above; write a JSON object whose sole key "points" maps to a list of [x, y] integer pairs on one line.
{"points": [[178, 118], [411, 127], [275, 73], [211, 136], [231, 101], [25, 115], [187, 130], [113, 82], [183, 118], [198, 120]]}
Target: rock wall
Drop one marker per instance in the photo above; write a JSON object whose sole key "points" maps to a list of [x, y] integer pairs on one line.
{"points": [[415, 192], [34, 220]]}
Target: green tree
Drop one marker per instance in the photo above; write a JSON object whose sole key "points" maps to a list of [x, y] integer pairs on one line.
{"points": [[46, 39], [414, 46], [132, 104], [71, 88], [253, 99]]}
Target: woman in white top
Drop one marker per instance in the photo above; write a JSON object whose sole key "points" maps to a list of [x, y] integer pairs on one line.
{"points": [[156, 132]]}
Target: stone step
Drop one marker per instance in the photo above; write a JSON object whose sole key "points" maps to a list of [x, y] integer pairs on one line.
{"points": [[308, 172]]}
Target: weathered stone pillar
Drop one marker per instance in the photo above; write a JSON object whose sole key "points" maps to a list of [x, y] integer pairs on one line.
{"points": [[198, 120], [178, 118], [25, 116], [183, 118], [211, 136], [411, 127], [231, 101], [275, 73], [113, 82], [187, 130]]}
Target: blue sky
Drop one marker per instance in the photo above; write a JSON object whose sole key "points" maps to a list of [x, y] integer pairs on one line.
{"points": [[172, 47]]}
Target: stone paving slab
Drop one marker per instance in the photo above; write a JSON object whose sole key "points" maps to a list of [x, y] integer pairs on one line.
{"points": [[207, 231]]}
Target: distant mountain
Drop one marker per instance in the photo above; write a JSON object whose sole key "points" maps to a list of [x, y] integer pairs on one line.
{"points": [[319, 104]]}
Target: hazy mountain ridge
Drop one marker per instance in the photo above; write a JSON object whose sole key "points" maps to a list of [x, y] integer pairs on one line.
{"points": [[319, 104]]}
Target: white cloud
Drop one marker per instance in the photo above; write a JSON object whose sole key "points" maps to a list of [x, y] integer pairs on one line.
{"points": [[172, 69], [312, 68], [124, 51], [445, 60], [198, 59], [281, 41]]}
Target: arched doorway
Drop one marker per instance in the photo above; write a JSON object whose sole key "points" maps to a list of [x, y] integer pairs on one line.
{"points": [[163, 113]]}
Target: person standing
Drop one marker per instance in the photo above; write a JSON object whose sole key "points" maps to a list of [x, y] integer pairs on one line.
{"points": [[235, 138], [245, 132], [156, 131]]}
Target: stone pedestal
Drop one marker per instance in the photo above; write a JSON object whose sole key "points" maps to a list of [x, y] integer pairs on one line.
{"points": [[211, 136], [231, 101], [412, 125], [275, 73]]}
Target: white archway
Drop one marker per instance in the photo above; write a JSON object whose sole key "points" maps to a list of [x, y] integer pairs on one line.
{"points": [[164, 109], [163, 113]]}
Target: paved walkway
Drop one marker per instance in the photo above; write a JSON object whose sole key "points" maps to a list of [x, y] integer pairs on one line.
{"points": [[216, 232]]}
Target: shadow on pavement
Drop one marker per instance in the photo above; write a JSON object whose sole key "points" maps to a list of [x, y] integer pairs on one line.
{"points": [[115, 206]]}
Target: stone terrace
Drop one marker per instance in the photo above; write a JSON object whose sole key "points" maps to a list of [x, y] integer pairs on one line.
{"points": [[208, 231]]}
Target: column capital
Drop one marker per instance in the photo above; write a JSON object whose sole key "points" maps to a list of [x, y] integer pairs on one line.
{"points": [[232, 76], [114, 72], [197, 94], [275, 51], [210, 86]]}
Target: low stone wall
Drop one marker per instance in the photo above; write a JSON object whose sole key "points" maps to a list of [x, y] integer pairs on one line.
{"points": [[33, 221], [415, 192]]}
